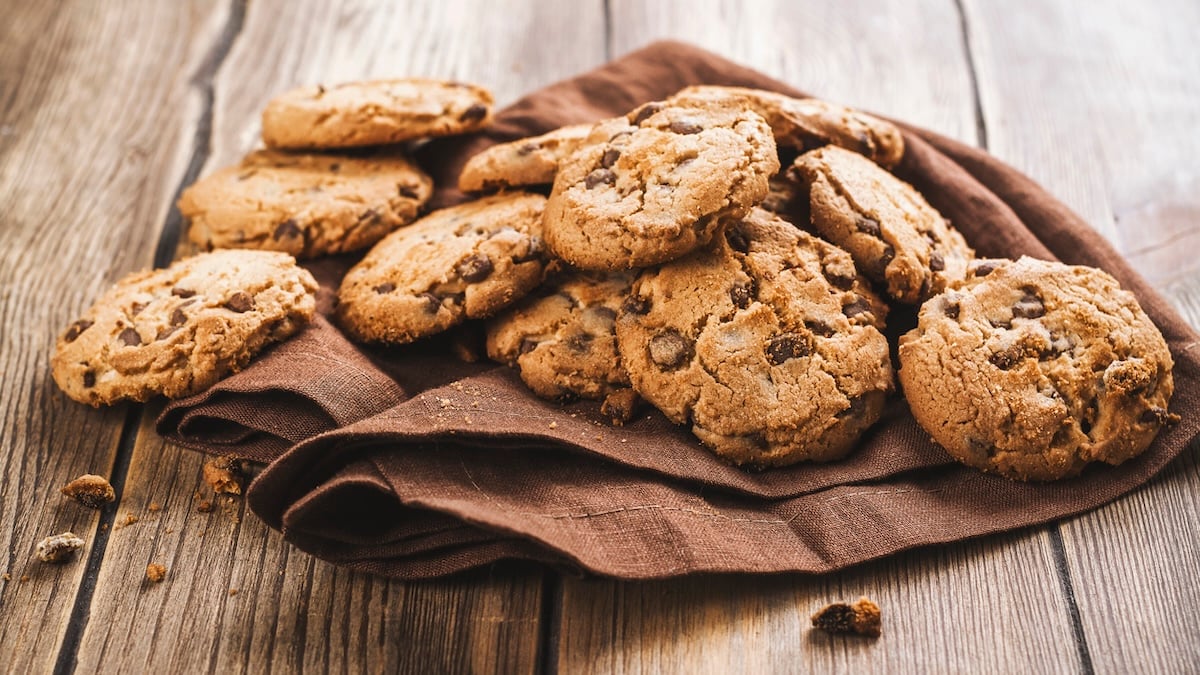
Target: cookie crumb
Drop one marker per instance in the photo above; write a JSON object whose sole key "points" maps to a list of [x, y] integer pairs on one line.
{"points": [[621, 406], [204, 506], [58, 548], [554, 425], [7, 576], [129, 519], [233, 592], [90, 490], [861, 618], [24, 578], [154, 507], [224, 474], [155, 572]]}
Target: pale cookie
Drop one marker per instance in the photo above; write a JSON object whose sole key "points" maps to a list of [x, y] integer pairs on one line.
{"points": [[657, 184], [564, 343], [767, 344], [466, 261], [807, 123], [1032, 369], [895, 236], [526, 161], [373, 113], [305, 204], [176, 331]]}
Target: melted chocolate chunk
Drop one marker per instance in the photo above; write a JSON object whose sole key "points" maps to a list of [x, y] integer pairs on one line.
{"points": [[288, 229], [476, 112], [1007, 358], [858, 306], [76, 329], [738, 240], [130, 337], [475, 268], [178, 318], [983, 269], [685, 127], [240, 302], [936, 262], [89, 379], [741, 295], [182, 292], [669, 349], [819, 328], [432, 302], [385, 287], [867, 226], [610, 157], [635, 305], [645, 112], [1030, 306], [599, 177], [787, 346]]}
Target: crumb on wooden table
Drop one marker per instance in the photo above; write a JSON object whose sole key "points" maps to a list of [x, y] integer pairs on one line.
{"points": [[154, 507], [861, 618], [90, 490], [58, 548], [224, 474], [156, 572], [233, 592]]}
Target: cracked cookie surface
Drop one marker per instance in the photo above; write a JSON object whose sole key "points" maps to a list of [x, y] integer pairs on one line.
{"points": [[375, 112], [895, 236], [307, 205], [525, 161], [1032, 369], [768, 344], [657, 184], [178, 330], [466, 261], [807, 123], [564, 343]]}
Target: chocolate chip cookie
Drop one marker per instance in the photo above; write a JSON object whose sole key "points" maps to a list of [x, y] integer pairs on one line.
{"points": [[1033, 369], [767, 344], [178, 330], [657, 184], [526, 161], [807, 123], [377, 112], [564, 342], [895, 236], [466, 261], [305, 204]]}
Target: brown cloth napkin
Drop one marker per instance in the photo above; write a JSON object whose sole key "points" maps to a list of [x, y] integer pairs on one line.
{"points": [[408, 463]]}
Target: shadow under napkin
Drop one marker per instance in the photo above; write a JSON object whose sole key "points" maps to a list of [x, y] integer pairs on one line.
{"points": [[408, 463]]}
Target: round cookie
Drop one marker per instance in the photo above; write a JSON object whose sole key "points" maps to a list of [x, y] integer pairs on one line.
{"points": [[525, 161], [466, 261], [564, 342], [807, 123], [767, 343], [373, 113], [176, 331], [657, 184], [895, 236], [308, 205], [1032, 369]]}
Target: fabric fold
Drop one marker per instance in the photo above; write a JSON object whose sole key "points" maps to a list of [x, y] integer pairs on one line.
{"points": [[409, 463]]}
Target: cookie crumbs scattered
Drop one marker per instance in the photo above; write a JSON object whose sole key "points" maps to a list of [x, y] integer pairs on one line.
{"points": [[554, 425], [90, 490], [7, 576], [58, 548], [156, 572], [224, 474], [444, 402], [24, 578], [154, 507], [861, 618], [233, 592], [128, 520], [204, 506]]}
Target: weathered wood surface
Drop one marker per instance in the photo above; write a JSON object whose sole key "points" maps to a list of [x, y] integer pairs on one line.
{"points": [[106, 109]]}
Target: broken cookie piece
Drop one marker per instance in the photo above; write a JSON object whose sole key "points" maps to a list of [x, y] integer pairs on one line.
{"points": [[224, 474], [58, 548], [156, 572], [861, 618], [90, 490]]}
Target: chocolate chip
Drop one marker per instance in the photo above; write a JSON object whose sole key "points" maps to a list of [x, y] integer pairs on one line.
{"points": [[182, 292], [1159, 416], [335, 167], [839, 281], [578, 342], [408, 191], [645, 112], [136, 308], [738, 240], [527, 148], [288, 229], [89, 379], [1000, 323], [669, 349], [77, 328], [368, 217], [858, 306], [604, 315], [166, 332], [867, 226], [475, 268], [527, 345], [686, 127], [432, 302], [819, 328], [857, 405], [598, 177], [951, 309], [741, 295], [1030, 306], [635, 305], [385, 287], [885, 259], [936, 262], [476, 112], [130, 337], [240, 302], [788, 346], [983, 269], [178, 318], [533, 252], [1007, 358], [610, 157]]}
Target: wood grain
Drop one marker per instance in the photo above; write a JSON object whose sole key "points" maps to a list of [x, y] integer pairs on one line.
{"points": [[90, 124], [1113, 133], [994, 605], [291, 611]]}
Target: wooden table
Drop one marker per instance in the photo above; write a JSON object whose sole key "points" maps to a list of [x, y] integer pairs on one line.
{"points": [[107, 109]]}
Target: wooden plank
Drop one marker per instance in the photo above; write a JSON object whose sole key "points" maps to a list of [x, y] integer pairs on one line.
{"points": [[293, 611], [992, 605], [1112, 131], [91, 125]]}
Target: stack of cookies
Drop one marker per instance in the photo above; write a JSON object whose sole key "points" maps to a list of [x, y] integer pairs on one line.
{"points": [[727, 255]]}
